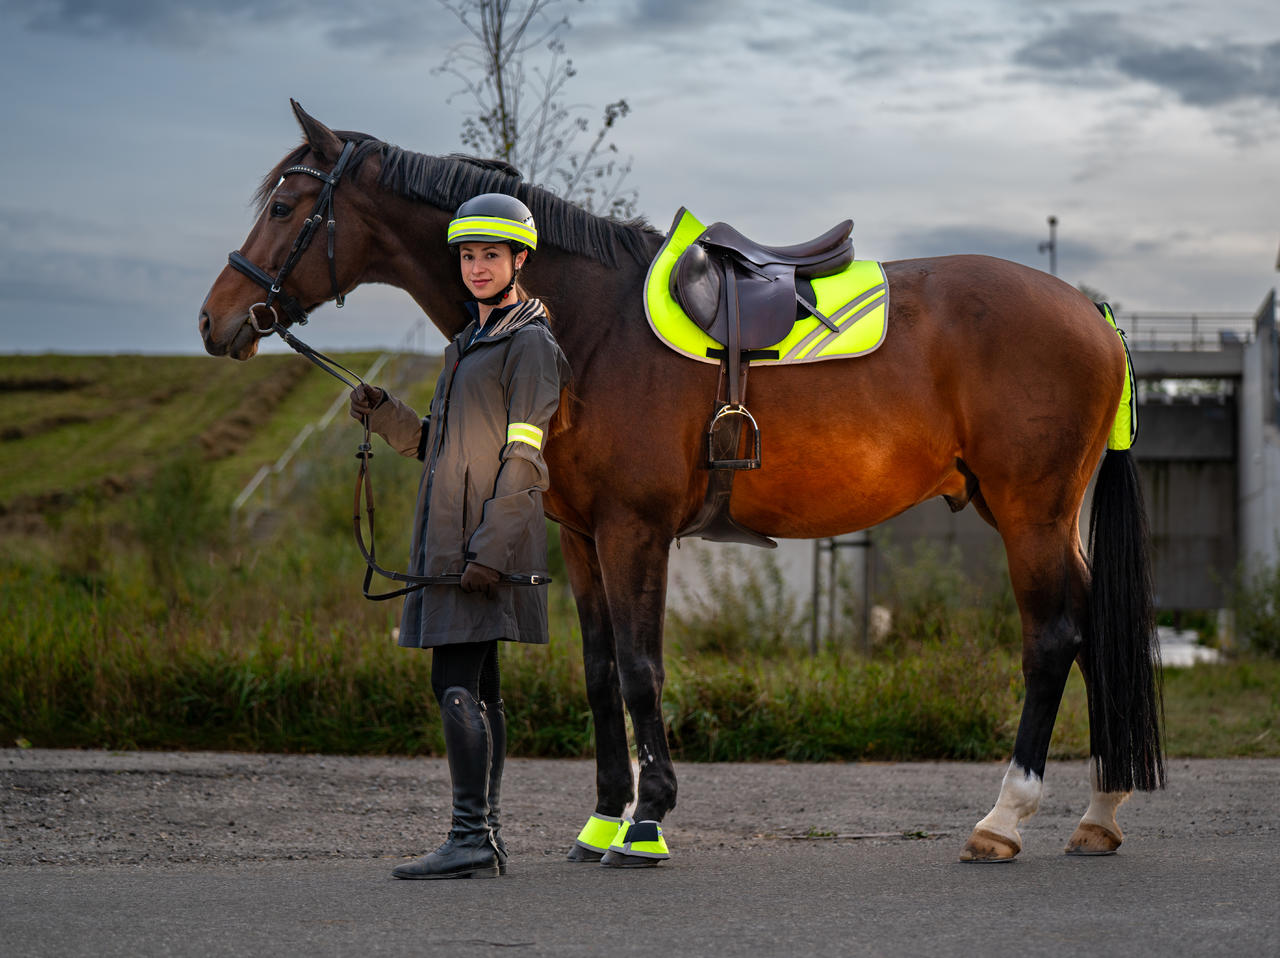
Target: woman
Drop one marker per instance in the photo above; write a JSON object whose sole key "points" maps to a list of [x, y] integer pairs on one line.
{"points": [[479, 513]]}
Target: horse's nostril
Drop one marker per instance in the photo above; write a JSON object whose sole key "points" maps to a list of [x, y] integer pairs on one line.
{"points": [[204, 324]]}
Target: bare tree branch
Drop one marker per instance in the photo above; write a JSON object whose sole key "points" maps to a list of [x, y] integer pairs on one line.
{"points": [[522, 116]]}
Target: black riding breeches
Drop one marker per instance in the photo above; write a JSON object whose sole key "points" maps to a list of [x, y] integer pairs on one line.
{"points": [[470, 665]]}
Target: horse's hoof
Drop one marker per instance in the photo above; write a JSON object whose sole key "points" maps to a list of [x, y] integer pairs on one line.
{"points": [[637, 845], [984, 846], [579, 854], [612, 859], [1090, 839]]}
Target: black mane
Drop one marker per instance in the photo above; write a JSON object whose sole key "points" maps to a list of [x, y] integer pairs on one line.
{"points": [[448, 181]]}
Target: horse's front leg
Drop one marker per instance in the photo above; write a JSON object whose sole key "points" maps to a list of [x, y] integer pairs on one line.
{"points": [[633, 562], [1048, 574], [614, 785]]}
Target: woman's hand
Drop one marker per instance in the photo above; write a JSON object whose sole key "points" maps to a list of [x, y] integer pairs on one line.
{"points": [[480, 578], [365, 399]]}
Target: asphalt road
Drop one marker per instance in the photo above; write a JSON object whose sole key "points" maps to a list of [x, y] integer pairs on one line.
{"points": [[223, 854]]}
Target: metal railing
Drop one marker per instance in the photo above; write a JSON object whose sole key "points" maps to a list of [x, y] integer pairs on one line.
{"points": [[1185, 332]]}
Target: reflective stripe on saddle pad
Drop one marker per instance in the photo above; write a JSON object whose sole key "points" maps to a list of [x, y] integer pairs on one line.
{"points": [[855, 300]]}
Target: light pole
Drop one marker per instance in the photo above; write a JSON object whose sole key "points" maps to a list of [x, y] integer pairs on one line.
{"points": [[1051, 247]]}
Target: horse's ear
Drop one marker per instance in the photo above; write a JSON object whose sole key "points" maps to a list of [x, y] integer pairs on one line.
{"points": [[324, 143]]}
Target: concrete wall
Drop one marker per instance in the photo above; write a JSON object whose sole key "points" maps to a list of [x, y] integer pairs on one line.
{"points": [[1191, 507], [1187, 460]]}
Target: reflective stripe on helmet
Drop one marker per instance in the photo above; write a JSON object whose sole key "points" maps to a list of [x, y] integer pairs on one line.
{"points": [[525, 432], [467, 229], [599, 832]]}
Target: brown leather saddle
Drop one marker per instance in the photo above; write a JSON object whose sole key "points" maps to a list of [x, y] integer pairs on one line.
{"points": [[723, 268], [746, 296]]}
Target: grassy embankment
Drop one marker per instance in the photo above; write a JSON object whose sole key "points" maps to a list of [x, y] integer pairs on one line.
{"points": [[133, 615]]}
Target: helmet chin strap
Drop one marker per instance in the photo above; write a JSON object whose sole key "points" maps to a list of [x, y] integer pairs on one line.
{"points": [[499, 296]]}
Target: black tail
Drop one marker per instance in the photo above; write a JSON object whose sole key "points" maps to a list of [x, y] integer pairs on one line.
{"points": [[1122, 654]]}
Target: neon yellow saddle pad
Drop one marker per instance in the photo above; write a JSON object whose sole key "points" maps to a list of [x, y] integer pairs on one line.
{"points": [[856, 299]]}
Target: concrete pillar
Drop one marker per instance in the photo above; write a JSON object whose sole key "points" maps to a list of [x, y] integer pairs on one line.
{"points": [[1260, 443]]}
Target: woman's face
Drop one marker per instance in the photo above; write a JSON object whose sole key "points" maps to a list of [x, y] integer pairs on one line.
{"points": [[488, 267]]}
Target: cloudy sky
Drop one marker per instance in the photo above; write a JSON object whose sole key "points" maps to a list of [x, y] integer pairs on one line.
{"points": [[134, 132]]}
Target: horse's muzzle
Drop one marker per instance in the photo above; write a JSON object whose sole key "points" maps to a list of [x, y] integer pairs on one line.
{"points": [[243, 343], [211, 347]]}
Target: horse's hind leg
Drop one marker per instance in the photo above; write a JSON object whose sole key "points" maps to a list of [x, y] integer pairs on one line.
{"points": [[1098, 832], [1049, 576], [614, 785]]}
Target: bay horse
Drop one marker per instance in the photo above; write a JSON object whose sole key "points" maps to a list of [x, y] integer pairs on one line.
{"points": [[997, 385]]}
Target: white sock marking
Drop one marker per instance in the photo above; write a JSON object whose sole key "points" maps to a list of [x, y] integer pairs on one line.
{"points": [[1103, 805], [1019, 798]]}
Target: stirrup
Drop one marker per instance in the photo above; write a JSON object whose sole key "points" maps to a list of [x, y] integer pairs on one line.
{"points": [[751, 463]]}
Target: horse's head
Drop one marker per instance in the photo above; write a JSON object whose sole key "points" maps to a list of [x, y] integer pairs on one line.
{"points": [[310, 244], [390, 209]]}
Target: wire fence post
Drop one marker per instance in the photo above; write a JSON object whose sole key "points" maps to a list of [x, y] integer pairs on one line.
{"points": [[858, 586]]}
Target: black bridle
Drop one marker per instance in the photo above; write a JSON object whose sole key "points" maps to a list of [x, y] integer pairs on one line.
{"points": [[322, 210], [294, 312]]}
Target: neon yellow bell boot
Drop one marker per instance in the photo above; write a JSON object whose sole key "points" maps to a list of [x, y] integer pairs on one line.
{"points": [[637, 845], [595, 838]]}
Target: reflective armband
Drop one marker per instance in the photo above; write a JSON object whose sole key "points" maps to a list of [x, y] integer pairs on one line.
{"points": [[525, 432]]}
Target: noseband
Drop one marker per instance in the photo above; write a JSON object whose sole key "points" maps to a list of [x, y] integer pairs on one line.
{"points": [[322, 211]]}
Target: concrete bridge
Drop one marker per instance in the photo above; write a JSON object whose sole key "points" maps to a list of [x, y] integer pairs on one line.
{"points": [[1208, 448]]}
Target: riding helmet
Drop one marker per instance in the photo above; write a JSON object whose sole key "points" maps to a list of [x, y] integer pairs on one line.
{"points": [[493, 217]]}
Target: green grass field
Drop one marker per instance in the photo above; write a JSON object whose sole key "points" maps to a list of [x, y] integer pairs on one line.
{"points": [[134, 613]]}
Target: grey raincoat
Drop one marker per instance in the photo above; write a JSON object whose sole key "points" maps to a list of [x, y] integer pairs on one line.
{"points": [[480, 498]]}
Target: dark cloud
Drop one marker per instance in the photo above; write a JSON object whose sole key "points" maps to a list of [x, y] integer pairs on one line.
{"points": [[54, 258], [1087, 41], [197, 23], [182, 21], [662, 14], [34, 225], [1207, 74], [75, 278], [1209, 77], [878, 7]]}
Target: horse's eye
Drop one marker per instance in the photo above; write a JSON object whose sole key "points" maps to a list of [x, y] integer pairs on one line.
{"points": [[280, 210]]}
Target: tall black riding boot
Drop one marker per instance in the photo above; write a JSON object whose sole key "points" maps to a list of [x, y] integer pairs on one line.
{"points": [[498, 732], [469, 851]]}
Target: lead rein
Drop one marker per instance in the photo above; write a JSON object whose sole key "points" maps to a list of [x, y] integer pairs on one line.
{"points": [[364, 452]]}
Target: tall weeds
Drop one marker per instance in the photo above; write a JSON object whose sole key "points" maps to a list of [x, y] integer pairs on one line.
{"points": [[271, 648], [1255, 599], [149, 622], [740, 606]]}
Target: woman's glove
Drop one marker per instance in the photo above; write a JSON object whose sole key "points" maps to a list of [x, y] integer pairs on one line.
{"points": [[480, 578], [365, 399]]}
